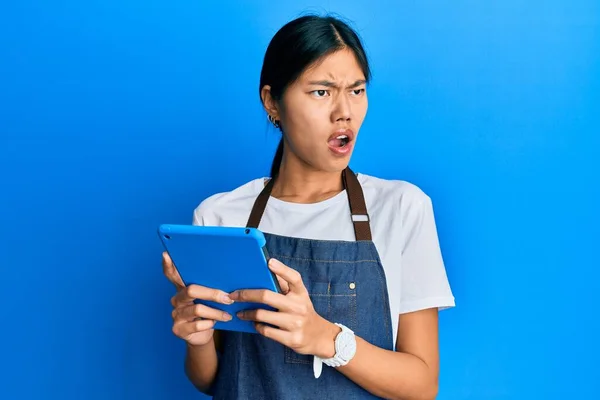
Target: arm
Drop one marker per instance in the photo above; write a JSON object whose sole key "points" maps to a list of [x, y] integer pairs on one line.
{"points": [[409, 373], [412, 371], [202, 362], [201, 365]]}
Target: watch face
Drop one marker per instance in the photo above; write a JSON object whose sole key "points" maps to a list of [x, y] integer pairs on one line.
{"points": [[347, 345]]}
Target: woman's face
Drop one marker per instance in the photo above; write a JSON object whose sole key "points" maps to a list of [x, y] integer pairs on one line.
{"points": [[322, 112]]}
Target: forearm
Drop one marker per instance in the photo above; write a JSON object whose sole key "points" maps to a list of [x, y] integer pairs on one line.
{"points": [[201, 365], [385, 373], [390, 374]]}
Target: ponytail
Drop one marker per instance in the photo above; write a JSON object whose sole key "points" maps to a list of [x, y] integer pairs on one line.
{"points": [[277, 159]]}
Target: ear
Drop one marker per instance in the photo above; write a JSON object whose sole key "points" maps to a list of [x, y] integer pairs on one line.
{"points": [[269, 103]]}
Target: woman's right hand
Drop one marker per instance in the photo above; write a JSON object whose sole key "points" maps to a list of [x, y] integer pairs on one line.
{"points": [[193, 322]]}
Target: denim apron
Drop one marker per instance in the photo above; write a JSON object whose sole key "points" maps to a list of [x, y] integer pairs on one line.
{"points": [[346, 283]]}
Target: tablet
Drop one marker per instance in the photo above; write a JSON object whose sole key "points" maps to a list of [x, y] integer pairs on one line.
{"points": [[225, 258]]}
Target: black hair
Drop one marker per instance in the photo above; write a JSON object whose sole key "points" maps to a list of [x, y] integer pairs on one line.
{"points": [[296, 46]]}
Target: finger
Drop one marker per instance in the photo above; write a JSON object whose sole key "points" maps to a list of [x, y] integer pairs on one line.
{"points": [[193, 292], [290, 275], [263, 296], [275, 334], [285, 288], [185, 329], [195, 311], [176, 303], [283, 321], [171, 272]]}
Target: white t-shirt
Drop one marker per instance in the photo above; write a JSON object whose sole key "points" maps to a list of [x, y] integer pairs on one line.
{"points": [[402, 226]]}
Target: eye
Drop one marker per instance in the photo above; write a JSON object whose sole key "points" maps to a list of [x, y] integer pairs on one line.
{"points": [[358, 92], [319, 93]]}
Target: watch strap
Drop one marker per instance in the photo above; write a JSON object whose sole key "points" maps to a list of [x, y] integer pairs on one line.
{"points": [[337, 360]]}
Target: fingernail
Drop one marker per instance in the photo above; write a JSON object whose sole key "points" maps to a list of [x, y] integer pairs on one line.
{"points": [[240, 314], [227, 317], [227, 299]]}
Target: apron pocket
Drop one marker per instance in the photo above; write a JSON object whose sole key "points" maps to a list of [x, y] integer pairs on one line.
{"points": [[336, 302]]}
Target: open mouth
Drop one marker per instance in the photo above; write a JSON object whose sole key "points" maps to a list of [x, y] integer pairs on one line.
{"points": [[340, 141]]}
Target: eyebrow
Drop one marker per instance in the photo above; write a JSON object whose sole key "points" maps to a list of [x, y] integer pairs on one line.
{"points": [[333, 85]]}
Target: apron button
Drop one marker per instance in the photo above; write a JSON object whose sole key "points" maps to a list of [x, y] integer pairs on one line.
{"points": [[352, 285]]}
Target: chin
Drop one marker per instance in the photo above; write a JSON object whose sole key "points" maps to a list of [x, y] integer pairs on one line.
{"points": [[329, 163], [337, 165]]}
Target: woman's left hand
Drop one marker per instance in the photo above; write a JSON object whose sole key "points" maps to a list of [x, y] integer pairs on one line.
{"points": [[299, 326]]}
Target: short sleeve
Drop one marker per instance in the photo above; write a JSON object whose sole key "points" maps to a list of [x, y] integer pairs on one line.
{"points": [[424, 279], [203, 213], [197, 219]]}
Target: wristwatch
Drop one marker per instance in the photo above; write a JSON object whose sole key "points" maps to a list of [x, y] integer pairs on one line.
{"points": [[345, 349]]}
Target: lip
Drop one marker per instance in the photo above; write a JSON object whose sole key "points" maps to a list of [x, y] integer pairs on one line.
{"points": [[345, 131], [342, 151]]}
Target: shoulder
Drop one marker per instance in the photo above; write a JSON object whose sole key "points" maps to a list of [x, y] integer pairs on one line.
{"points": [[399, 193], [234, 204], [402, 208]]}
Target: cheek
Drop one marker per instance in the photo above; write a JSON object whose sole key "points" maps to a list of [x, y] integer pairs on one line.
{"points": [[360, 111], [306, 125], [309, 114]]}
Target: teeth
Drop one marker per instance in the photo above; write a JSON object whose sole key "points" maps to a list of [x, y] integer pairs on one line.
{"points": [[342, 137]]}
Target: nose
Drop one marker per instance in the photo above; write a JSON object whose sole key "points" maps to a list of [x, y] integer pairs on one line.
{"points": [[342, 110]]}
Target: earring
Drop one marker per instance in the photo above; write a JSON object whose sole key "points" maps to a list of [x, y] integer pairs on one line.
{"points": [[273, 121]]}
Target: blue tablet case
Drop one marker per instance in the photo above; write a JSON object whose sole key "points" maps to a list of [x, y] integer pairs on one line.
{"points": [[225, 258]]}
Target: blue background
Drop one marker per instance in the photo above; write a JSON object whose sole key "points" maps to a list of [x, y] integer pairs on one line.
{"points": [[116, 116]]}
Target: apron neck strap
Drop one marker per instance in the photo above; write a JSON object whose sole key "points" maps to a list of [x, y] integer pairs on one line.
{"points": [[356, 198]]}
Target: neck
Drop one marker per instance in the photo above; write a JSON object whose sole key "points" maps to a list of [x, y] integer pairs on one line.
{"points": [[299, 183]]}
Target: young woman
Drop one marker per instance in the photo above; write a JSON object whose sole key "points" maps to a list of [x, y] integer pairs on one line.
{"points": [[357, 257]]}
